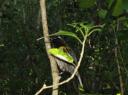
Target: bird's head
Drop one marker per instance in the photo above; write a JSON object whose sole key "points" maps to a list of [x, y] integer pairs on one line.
{"points": [[57, 42]]}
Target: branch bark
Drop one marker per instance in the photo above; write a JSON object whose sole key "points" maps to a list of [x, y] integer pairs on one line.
{"points": [[54, 69], [117, 60]]}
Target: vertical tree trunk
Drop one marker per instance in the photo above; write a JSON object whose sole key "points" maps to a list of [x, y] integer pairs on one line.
{"points": [[54, 69], [119, 69], [117, 60]]}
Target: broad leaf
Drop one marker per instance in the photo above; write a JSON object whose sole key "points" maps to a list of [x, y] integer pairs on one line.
{"points": [[1, 45], [125, 4], [118, 8], [109, 2], [67, 33], [118, 94], [102, 13], [86, 3]]}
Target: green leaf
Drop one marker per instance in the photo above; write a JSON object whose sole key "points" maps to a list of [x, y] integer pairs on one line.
{"points": [[67, 33], [81, 88], [122, 35], [1, 45], [102, 13], [97, 28], [109, 3], [59, 53], [118, 8], [118, 94], [86, 27], [86, 3], [125, 4]]}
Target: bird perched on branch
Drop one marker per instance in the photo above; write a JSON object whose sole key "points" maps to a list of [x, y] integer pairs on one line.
{"points": [[63, 64]]}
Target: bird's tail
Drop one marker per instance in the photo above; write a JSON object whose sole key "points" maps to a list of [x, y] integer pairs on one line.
{"points": [[79, 79]]}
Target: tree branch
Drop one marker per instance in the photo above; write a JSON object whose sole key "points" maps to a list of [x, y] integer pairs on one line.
{"points": [[54, 69]]}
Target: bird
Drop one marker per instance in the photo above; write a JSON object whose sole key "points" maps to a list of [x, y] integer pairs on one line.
{"points": [[64, 66]]}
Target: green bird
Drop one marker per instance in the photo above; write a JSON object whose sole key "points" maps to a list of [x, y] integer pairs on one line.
{"points": [[64, 56]]}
